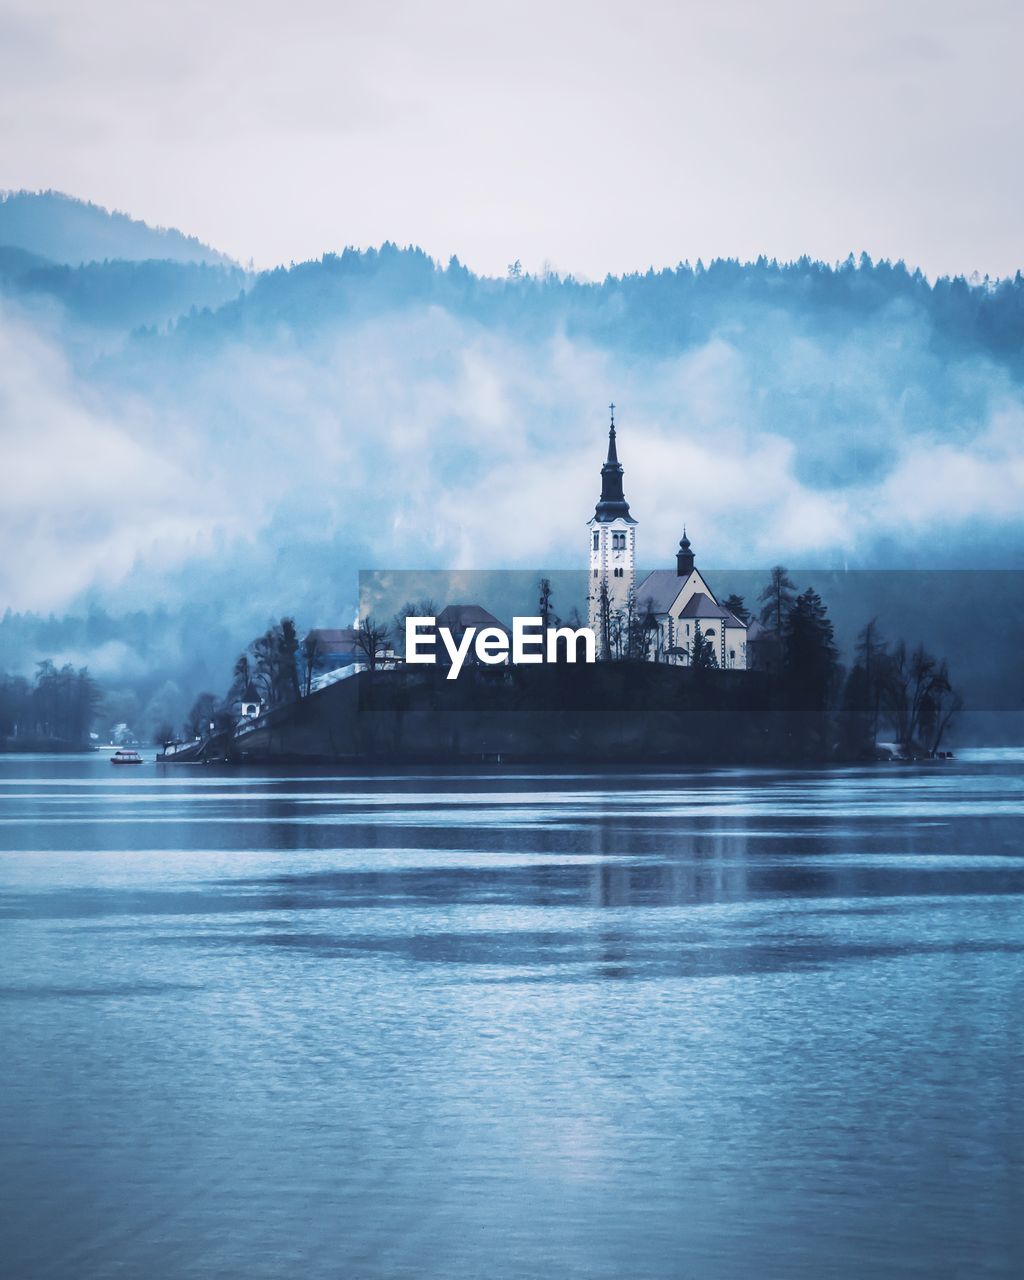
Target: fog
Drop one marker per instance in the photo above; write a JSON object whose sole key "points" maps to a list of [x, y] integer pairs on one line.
{"points": [[248, 462]]}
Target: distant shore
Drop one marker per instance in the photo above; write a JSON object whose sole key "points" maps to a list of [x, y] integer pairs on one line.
{"points": [[48, 746]]}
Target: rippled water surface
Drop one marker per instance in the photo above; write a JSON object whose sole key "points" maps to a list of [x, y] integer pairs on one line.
{"points": [[496, 1024]]}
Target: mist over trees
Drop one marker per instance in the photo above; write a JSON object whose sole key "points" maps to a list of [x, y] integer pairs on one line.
{"points": [[55, 710], [837, 712], [73, 231], [253, 439], [118, 295]]}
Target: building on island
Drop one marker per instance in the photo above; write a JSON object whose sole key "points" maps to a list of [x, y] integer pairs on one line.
{"points": [[663, 616]]}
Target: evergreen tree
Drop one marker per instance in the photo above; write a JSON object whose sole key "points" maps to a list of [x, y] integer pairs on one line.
{"points": [[810, 668], [241, 678], [737, 606], [288, 650], [702, 650], [776, 601], [544, 602]]}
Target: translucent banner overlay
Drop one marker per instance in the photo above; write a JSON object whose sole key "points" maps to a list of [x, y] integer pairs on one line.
{"points": [[972, 619]]}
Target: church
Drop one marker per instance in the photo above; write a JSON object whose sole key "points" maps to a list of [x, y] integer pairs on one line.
{"points": [[670, 608]]}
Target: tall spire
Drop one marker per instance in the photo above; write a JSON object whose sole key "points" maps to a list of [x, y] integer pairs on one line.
{"points": [[684, 556], [612, 455], [613, 502]]}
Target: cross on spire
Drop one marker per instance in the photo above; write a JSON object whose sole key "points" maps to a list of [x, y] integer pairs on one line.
{"points": [[613, 503]]}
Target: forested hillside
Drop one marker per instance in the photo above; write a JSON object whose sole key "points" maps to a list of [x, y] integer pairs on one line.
{"points": [[224, 448], [72, 231]]}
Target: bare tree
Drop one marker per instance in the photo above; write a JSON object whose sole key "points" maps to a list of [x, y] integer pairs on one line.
{"points": [[941, 708], [919, 698], [372, 641], [872, 653], [274, 667], [425, 608], [604, 621]]}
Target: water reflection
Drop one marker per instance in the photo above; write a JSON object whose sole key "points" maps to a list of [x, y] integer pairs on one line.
{"points": [[715, 1023]]}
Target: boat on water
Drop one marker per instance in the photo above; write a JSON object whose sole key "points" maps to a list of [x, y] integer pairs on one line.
{"points": [[125, 756]]}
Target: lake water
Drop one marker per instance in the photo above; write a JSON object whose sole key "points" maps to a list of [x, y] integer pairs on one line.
{"points": [[469, 1025]]}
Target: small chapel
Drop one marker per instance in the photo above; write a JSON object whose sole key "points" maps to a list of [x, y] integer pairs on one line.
{"points": [[674, 606]]}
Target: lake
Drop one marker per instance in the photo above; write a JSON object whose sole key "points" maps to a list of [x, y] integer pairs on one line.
{"points": [[696, 1024]]}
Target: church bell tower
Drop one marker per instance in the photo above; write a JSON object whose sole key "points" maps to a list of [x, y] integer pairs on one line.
{"points": [[612, 530]]}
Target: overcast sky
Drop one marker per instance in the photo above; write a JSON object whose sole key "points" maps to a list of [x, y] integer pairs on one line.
{"points": [[592, 137]]}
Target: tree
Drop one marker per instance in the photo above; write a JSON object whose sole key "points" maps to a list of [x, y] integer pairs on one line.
{"points": [[425, 608], [163, 733], [604, 621], [649, 632], [85, 698], [810, 670], [166, 706], [897, 692], [274, 669], [544, 602], [940, 707], [64, 702], [872, 656], [310, 657], [776, 601], [919, 699], [16, 718], [544, 609], [737, 607], [202, 716], [702, 650], [639, 631], [241, 678], [372, 641], [855, 739], [288, 648], [263, 669]]}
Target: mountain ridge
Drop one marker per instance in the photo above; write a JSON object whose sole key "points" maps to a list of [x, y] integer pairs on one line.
{"points": [[73, 231]]}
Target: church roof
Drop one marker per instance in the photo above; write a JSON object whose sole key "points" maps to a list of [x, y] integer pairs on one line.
{"points": [[661, 587], [702, 606], [660, 590], [459, 617]]}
